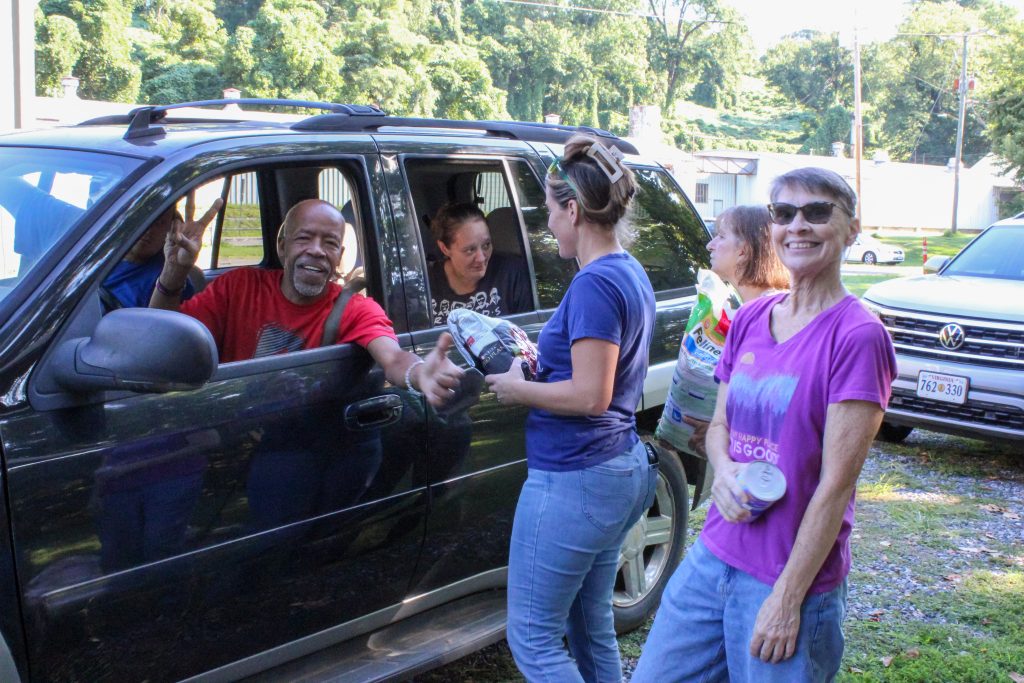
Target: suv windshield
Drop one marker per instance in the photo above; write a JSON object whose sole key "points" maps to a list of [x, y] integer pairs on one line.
{"points": [[996, 253], [43, 193]]}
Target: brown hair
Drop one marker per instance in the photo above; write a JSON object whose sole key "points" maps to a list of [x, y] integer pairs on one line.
{"points": [[600, 201], [821, 180], [761, 267], [450, 217]]}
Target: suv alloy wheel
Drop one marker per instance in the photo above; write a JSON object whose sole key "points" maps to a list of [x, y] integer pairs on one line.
{"points": [[653, 547]]}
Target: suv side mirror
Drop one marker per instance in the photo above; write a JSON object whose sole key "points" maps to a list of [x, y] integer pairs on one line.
{"points": [[934, 264], [138, 349]]}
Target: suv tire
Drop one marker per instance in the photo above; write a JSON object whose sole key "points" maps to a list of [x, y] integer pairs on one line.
{"points": [[653, 547], [893, 433]]}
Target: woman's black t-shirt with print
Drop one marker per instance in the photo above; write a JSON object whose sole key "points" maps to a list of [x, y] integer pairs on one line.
{"points": [[504, 289]]}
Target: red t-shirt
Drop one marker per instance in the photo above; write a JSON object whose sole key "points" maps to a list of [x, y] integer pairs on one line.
{"points": [[249, 317]]}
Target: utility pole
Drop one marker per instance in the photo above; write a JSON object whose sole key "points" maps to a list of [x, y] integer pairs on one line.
{"points": [[960, 134], [858, 125]]}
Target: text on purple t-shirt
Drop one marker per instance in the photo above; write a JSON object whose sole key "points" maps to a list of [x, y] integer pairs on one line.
{"points": [[776, 406]]}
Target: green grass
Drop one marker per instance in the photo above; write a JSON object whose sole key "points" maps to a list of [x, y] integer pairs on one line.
{"points": [[235, 255], [858, 284], [972, 628], [938, 245]]}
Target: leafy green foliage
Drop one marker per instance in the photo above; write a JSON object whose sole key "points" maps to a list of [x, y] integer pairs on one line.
{"points": [[686, 37], [105, 67], [184, 81], [486, 59], [911, 85], [812, 69], [464, 86], [280, 53], [58, 47]]}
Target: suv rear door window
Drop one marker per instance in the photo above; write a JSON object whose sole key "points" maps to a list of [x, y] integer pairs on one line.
{"points": [[671, 241], [436, 181], [554, 273]]}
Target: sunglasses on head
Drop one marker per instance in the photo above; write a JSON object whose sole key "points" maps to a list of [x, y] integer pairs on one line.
{"points": [[556, 168], [814, 212]]}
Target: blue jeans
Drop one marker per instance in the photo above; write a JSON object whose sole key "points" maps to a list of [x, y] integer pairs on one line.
{"points": [[564, 555], [703, 629]]}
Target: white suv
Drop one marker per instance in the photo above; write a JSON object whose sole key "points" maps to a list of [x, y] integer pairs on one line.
{"points": [[959, 338]]}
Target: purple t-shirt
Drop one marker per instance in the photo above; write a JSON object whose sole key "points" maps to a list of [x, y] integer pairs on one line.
{"points": [[778, 398]]}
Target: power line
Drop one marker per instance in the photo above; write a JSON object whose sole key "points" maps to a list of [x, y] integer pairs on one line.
{"points": [[597, 10]]}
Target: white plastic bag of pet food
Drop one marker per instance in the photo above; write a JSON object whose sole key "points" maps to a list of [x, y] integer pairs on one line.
{"points": [[693, 391], [491, 345]]}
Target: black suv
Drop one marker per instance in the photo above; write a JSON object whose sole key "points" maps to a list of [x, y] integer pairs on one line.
{"points": [[167, 517]]}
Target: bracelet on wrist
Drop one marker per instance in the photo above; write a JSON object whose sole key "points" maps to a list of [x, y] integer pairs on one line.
{"points": [[163, 289], [408, 378]]}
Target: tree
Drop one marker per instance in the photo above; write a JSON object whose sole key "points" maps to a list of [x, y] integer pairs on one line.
{"points": [[832, 126], [387, 57], [1006, 108], [724, 57], [59, 45], [911, 85], [184, 82], [235, 13], [281, 53], [188, 29], [811, 69], [584, 66], [464, 86], [105, 68], [675, 31]]}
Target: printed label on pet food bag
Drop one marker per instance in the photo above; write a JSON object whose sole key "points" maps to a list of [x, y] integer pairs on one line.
{"points": [[693, 391]]}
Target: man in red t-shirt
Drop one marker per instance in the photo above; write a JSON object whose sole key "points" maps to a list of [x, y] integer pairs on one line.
{"points": [[255, 312]]}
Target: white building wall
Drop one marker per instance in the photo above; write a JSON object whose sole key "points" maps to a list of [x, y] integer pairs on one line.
{"points": [[894, 195]]}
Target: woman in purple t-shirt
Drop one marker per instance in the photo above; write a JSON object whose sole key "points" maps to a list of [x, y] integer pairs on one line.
{"points": [[589, 476], [805, 378]]}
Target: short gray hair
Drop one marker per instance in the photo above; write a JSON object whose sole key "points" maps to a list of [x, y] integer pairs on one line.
{"points": [[820, 180]]}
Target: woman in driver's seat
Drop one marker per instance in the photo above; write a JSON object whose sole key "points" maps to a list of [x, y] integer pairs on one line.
{"points": [[471, 275]]}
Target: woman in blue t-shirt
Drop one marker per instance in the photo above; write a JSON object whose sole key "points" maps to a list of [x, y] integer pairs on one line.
{"points": [[589, 478]]}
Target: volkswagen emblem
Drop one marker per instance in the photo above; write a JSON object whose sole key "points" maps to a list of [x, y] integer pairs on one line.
{"points": [[951, 336]]}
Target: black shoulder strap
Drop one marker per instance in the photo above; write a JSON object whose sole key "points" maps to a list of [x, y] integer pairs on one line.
{"points": [[330, 335], [109, 301]]}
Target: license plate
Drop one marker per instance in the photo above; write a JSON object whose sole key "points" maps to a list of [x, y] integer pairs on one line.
{"points": [[940, 387]]}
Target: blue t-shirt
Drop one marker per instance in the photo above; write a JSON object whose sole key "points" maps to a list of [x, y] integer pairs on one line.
{"points": [[610, 299], [132, 283]]}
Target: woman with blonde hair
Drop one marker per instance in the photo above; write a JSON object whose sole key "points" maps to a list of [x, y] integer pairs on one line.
{"points": [[590, 477]]}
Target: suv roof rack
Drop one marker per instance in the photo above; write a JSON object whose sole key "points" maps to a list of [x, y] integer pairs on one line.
{"points": [[363, 118], [515, 130], [141, 119]]}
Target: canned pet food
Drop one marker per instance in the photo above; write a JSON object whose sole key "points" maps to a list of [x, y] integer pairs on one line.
{"points": [[763, 483]]}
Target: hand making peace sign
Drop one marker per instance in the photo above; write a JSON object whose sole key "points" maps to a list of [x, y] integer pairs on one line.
{"points": [[185, 238]]}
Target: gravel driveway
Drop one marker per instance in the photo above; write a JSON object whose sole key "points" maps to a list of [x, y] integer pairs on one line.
{"points": [[933, 515]]}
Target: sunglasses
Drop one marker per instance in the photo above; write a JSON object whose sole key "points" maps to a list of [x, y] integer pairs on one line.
{"points": [[556, 169], [814, 212]]}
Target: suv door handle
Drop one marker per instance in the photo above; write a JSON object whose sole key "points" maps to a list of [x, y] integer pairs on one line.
{"points": [[375, 412]]}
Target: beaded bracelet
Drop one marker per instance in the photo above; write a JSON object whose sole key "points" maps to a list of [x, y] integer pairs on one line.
{"points": [[408, 377], [160, 287]]}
